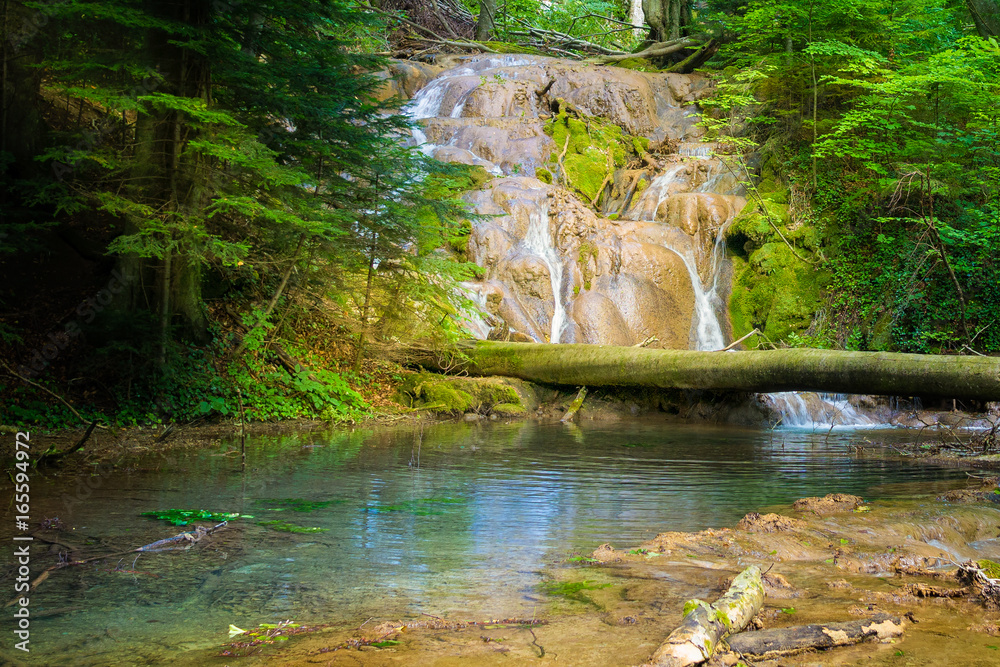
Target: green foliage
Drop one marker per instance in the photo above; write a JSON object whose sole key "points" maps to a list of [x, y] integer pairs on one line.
{"points": [[882, 118], [185, 517], [267, 151], [582, 559], [587, 19]]}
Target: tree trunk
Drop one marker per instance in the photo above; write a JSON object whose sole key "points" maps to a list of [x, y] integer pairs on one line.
{"points": [[767, 644], [169, 180], [22, 128], [636, 17], [838, 371], [986, 14], [486, 25], [666, 18], [704, 625]]}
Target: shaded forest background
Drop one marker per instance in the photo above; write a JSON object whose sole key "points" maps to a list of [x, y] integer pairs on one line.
{"points": [[206, 207]]}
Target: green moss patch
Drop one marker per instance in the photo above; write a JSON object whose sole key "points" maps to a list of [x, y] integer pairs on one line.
{"points": [[638, 64], [572, 590], [510, 47], [587, 154], [773, 290], [455, 395]]}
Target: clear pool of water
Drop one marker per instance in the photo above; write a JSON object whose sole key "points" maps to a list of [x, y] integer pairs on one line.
{"points": [[453, 519]]}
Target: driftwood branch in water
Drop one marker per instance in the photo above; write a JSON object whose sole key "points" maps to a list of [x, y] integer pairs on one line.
{"points": [[704, 625], [799, 369], [53, 455], [978, 577], [188, 538], [768, 644]]}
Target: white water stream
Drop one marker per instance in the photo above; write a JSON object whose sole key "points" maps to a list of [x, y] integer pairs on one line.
{"points": [[799, 409], [538, 240]]}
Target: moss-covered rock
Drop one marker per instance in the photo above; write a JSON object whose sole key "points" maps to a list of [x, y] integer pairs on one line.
{"points": [[509, 410], [591, 143], [773, 290], [443, 394], [638, 64]]}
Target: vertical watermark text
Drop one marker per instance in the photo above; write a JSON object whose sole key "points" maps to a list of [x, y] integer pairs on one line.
{"points": [[22, 546]]}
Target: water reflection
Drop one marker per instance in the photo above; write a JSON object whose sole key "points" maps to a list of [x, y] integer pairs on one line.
{"points": [[449, 518]]}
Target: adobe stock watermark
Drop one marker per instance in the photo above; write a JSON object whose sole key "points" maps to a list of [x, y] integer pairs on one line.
{"points": [[91, 139], [32, 25], [86, 312]]}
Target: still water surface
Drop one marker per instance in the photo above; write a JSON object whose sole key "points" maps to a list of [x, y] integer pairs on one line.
{"points": [[453, 519]]}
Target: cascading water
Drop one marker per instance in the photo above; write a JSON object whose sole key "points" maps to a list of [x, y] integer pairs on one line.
{"points": [[473, 319], [799, 409], [650, 269], [538, 240], [706, 331]]}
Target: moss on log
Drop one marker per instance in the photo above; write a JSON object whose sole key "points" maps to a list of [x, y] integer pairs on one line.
{"points": [[704, 625], [885, 373]]}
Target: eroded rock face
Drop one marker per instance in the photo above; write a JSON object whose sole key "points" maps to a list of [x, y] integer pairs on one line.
{"points": [[646, 265]]}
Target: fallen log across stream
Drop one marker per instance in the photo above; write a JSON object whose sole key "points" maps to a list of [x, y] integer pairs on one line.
{"points": [[836, 371]]}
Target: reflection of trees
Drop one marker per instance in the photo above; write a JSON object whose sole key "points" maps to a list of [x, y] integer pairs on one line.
{"points": [[532, 493]]}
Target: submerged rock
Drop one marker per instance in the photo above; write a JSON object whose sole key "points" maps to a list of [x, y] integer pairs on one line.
{"points": [[832, 502], [767, 523]]}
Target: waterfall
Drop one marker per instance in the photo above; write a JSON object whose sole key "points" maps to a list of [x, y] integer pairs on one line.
{"points": [[473, 319], [538, 240], [707, 332], [806, 409], [706, 329]]}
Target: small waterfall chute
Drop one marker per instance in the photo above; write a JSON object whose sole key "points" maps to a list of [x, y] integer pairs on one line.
{"points": [[811, 410]]}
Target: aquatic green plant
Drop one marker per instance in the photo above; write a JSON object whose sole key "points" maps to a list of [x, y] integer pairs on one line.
{"points": [[184, 517], [644, 552], [297, 504], [572, 590], [419, 507], [286, 527]]}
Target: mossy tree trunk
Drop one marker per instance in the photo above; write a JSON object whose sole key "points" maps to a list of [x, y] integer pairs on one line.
{"points": [[666, 18], [704, 625], [986, 14], [486, 25], [884, 373]]}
